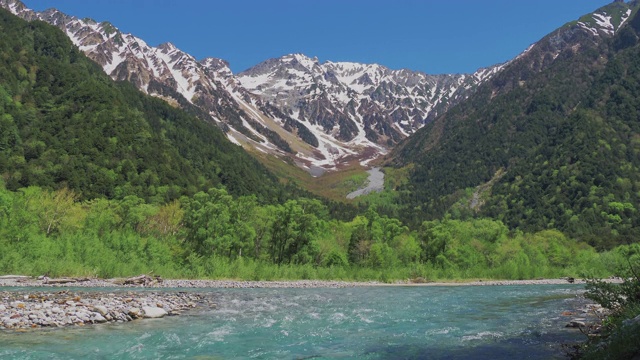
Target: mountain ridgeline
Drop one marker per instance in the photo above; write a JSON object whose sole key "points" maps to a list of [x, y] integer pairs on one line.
{"points": [[294, 107], [552, 141], [65, 123]]}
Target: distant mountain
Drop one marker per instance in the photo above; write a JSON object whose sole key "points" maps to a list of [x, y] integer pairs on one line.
{"points": [[65, 123], [549, 142], [366, 103], [320, 115]]}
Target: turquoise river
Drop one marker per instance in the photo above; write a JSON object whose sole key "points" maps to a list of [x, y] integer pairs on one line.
{"points": [[384, 322]]}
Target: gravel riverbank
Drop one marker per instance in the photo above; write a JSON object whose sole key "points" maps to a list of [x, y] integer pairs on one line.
{"points": [[36, 309], [53, 304], [375, 183], [25, 281], [182, 283]]}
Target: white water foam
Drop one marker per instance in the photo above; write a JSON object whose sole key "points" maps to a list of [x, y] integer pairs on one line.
{"points": [[483, 335], [268, 323], [220, 333], [443, 331]]}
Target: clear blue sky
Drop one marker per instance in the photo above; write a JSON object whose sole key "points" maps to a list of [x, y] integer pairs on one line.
{"points": [[434, 36]]}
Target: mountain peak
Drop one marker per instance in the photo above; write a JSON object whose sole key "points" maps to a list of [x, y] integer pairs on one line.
{"points": [[16, 7], [301, 59], [167, 47], [607, 19], [214, 63]]}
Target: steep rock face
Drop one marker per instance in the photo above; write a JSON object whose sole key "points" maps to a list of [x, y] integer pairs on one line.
{"points": [[322, 115], [357, 101]]}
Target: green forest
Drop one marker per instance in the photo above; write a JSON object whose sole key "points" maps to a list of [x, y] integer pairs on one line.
{"points": [[97, 179], [216, 235], [65, 123], [542, 145]]}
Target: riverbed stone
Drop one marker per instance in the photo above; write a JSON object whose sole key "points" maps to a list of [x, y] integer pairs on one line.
{"points": [[153, 312], [18, 305], [32, 309], [98, 318], [134, 312], [102, 310], [84, 317]]}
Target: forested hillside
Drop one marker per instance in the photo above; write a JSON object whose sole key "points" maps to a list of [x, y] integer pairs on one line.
{"points": [[553, 141], [65, 124], [100, 180]]}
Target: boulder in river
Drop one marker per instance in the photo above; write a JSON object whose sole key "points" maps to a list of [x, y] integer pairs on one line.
{"points": [[577, 323], [134, 312], [153, 312]]}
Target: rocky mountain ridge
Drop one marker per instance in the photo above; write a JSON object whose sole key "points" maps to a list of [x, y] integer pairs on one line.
{"points": [[321, 115], [357, 101], [546, 143]]}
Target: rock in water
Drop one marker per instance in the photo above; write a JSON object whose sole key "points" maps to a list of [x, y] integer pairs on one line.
{"points": [[153, 312], [134, 312], [577, 323], [99, 318]]}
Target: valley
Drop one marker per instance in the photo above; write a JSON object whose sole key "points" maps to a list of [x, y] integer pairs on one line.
{"points": [[119, 158], [388, 154], [506, 143]]}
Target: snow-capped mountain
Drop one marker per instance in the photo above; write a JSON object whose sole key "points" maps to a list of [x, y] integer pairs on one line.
{"points": [[356, 102], [322, 115]]}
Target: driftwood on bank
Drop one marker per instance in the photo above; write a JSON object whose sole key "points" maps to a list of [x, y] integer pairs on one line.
{"points": [[64, 280]]}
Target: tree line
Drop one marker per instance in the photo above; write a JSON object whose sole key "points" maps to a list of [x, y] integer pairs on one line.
{"points": [[214, 234]]}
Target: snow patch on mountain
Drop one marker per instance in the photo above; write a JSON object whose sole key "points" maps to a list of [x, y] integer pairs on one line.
{"points": [[347, 100], [625, 17], [348, 109], [604, 22]]}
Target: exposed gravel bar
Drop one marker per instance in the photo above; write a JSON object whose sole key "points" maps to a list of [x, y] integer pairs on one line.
{"points": [[23, 281], [35, 309]]}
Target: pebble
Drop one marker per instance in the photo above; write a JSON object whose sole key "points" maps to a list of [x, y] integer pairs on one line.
{"points": [[102, 310]]}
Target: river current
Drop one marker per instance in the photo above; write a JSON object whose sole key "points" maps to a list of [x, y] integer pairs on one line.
{"points": [[448, 322]]}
